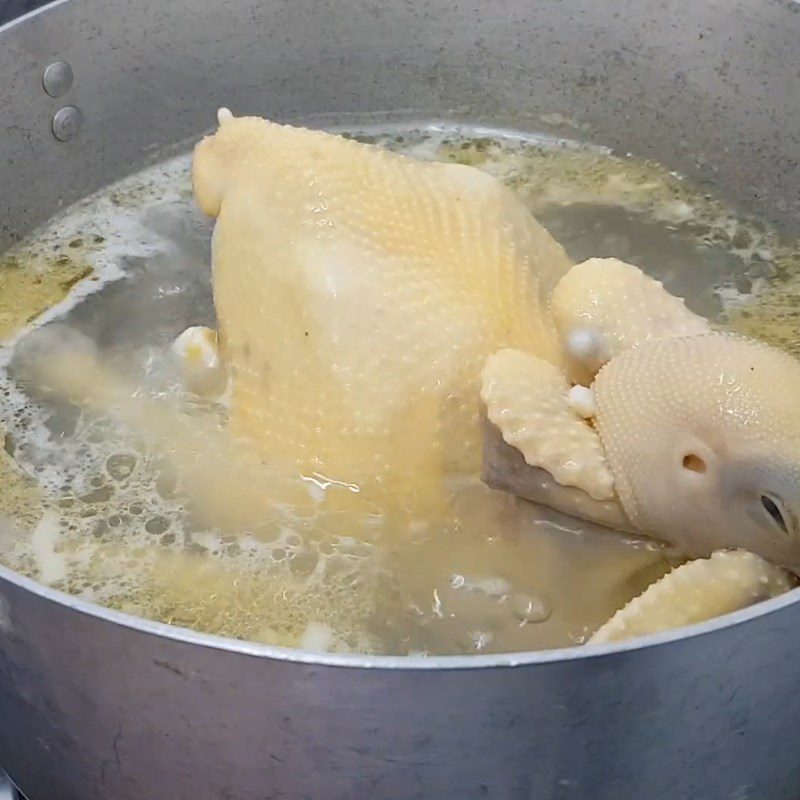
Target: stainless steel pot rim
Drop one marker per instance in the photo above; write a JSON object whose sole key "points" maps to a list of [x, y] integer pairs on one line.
{"points": [[391, 662], [32, 13]]}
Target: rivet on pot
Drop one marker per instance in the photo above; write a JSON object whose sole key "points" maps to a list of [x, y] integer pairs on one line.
{"points": [[57, 79], [66, 123]]}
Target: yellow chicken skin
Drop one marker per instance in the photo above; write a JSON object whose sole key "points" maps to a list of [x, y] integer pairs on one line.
{"points": [[358, 293]]}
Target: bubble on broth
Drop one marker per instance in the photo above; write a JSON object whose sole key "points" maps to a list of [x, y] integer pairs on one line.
{"points": [[775, 315], [101, 513]]}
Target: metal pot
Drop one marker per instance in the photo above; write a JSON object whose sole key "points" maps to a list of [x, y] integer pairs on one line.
{"points": [[96, 704]]}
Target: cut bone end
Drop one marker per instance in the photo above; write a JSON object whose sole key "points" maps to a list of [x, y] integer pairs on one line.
{"points": [[585, 344], [197, 352]]}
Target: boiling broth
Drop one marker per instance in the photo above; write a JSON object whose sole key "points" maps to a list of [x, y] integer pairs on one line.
{"points": [[94, 509]]}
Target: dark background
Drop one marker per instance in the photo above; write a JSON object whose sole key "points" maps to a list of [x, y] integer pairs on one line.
{"points": [[13, 8]]}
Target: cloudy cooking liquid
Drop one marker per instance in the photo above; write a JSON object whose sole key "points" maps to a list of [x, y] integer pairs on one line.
{"points": [[98, 515]]}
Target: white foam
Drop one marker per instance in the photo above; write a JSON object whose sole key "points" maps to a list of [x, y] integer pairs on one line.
{"points": [[122, 226], [51, 564], [317, 638]]}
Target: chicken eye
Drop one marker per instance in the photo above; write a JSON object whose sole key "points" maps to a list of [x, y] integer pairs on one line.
{"points": [[774, 510]]}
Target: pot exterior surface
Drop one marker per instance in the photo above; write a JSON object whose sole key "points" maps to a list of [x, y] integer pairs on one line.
{"points": [[95, 708]]}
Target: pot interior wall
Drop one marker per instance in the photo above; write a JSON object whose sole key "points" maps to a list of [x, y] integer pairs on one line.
{"points": [[708, 89]]}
